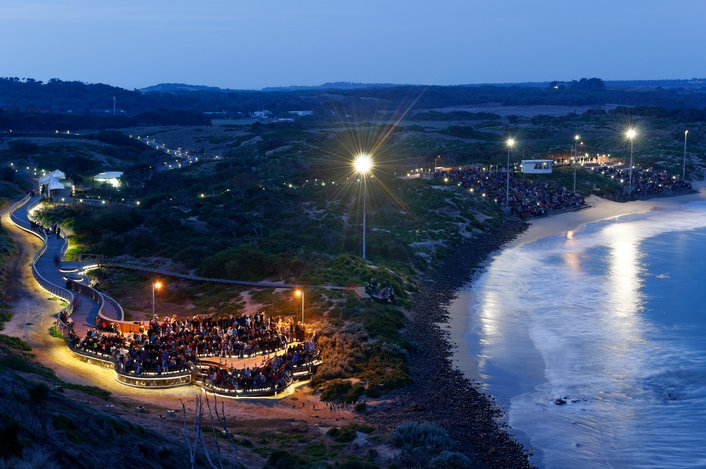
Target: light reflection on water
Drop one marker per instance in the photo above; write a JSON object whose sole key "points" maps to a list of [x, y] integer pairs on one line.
{"points": [[571, 317]]}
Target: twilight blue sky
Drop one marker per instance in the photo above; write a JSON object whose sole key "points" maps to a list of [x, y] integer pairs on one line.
{"points": [[258, 43]]}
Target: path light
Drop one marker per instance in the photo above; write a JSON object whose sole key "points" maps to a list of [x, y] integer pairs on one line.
{"points": [[300, 292], [683, 165], [630, 134], [576, 156], [155, 286], [510, 143]]}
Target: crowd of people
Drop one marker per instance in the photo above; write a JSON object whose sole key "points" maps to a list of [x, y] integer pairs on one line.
{"points": [[172, 344], [276, 373], [527, 198], [54, 229], [645, 182]]}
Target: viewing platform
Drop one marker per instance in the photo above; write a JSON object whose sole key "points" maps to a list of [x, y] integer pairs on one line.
{"points": [[88, 309]]}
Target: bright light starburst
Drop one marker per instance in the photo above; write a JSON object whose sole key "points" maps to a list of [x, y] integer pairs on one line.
{"points": [[363, 163]]}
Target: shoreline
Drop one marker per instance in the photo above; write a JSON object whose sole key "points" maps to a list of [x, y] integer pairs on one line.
{"points": [[441, 393], [456, 320]]}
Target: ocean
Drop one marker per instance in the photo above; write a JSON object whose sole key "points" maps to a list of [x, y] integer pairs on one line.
{"points": [[594, 342]]}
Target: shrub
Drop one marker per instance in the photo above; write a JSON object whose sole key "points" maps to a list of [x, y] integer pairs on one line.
{"points": [[342, 391], [450, 460], [343, 434], [15, 343], [281, 459], [425, 435], [361, 407], [38, 392], [9, 444]]}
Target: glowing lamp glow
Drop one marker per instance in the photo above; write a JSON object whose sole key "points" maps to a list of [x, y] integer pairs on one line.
{"points": [[631, 133], [363, 163], [510, 142]]}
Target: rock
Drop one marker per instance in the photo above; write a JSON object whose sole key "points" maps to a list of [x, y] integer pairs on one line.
{"points": [[559, 401]]}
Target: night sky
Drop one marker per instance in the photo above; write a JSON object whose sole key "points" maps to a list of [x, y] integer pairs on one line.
{"points": [[250, 45]]}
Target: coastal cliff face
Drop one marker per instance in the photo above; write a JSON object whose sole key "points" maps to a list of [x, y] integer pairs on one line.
{"points": [[440, 393]]}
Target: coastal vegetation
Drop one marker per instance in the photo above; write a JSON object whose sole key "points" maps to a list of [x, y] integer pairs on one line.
{"points": [[277, 201]]}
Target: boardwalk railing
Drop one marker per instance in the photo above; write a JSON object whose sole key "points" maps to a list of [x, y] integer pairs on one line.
{"points": [[45, 284]]}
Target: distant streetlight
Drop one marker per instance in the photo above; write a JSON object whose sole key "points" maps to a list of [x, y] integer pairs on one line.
{"points": [[362, 164], [299, 292], [683, 164], [576, 155], [631, 133], [155, 286], [510, 143]]}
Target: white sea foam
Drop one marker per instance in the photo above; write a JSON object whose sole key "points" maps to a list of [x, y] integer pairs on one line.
{"points": [[568, 317]]}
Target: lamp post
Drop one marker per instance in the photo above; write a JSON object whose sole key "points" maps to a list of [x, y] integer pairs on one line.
{"points": [[362, 164], [631, 135], [510, 143], [299, 292], [576, 155], [155, 286], [683, 164]]}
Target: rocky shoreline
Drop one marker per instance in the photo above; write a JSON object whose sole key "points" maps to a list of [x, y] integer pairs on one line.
{"points": [[440, 393]]}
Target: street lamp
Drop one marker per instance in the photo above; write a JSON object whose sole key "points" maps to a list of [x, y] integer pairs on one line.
{"points": [[631, 133], [683, 165], [510, 142], [299, 292], [155, 286], [362, 164], [576, 155]]}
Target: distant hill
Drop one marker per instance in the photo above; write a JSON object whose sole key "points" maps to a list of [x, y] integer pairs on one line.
{"points": [[337, 85], [181, 88], [27, 104]]}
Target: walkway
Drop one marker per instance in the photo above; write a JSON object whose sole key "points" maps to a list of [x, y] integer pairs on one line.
{"points": [[47, 267], [360, 291]]}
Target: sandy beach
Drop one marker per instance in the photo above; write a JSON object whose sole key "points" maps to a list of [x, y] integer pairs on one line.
{"points": [[600, 209]]}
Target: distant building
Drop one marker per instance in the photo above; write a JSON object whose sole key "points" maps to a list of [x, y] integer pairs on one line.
{"points": [[54, 185], [537, 166], [264, 114], [302, 113], [109, 177]]}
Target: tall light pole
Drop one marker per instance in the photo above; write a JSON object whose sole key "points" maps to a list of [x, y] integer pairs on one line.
{"points": [[299, 292], [576, 155], [362, 164], [510, 142], [155, 286], [683, 164], [631, 135]]}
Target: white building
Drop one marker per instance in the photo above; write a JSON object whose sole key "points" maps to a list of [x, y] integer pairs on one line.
{"points": [[537, 166], [54, 184], [109, 177]]}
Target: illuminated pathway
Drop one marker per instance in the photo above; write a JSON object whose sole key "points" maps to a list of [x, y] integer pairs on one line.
{"points": [[49, 267], [85, 305]]}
